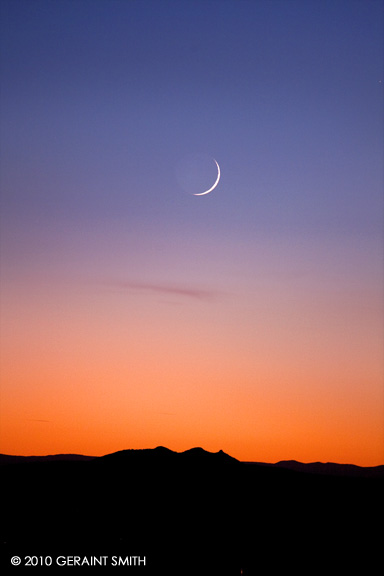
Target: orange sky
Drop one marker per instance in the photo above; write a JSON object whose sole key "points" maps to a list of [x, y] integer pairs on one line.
{"points": [[274, 371]]}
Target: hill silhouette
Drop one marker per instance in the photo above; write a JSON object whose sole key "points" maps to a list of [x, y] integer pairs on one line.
{"points": [[192, 512]]}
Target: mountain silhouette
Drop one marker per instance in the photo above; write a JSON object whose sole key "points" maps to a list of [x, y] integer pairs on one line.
{"points": [[194, 512], [6, 459]]}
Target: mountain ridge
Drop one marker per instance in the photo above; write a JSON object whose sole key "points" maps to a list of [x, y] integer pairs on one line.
{"points": [[196, 510], [198, 454]]}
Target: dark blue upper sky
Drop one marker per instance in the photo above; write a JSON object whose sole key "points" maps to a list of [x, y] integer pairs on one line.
{"points": [[100, 100]]}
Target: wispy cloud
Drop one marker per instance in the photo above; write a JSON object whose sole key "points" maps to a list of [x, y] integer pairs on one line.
{"points": [[36, 420], [170, 289]]}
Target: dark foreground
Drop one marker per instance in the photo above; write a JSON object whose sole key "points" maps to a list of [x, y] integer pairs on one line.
{"points": [[160, 512]]}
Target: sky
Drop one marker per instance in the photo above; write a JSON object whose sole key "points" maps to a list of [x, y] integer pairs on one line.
{"points": [[136, 314]]}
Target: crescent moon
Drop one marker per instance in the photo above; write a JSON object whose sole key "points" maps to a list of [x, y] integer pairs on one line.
{"points": [[215, 184]]}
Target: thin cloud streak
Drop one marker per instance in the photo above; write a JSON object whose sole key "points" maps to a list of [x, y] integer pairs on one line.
{"points": [[36, 420], [170, 289]]}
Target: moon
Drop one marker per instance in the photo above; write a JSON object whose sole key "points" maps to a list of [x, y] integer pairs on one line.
{"points": [[214, 185]]}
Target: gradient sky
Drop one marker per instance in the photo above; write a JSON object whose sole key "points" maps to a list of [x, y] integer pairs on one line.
{"points": [[135, 314]]}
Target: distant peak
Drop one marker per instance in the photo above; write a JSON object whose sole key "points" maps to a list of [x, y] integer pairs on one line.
{"points": [[200, 453], [161, 455], [163, 449]]}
